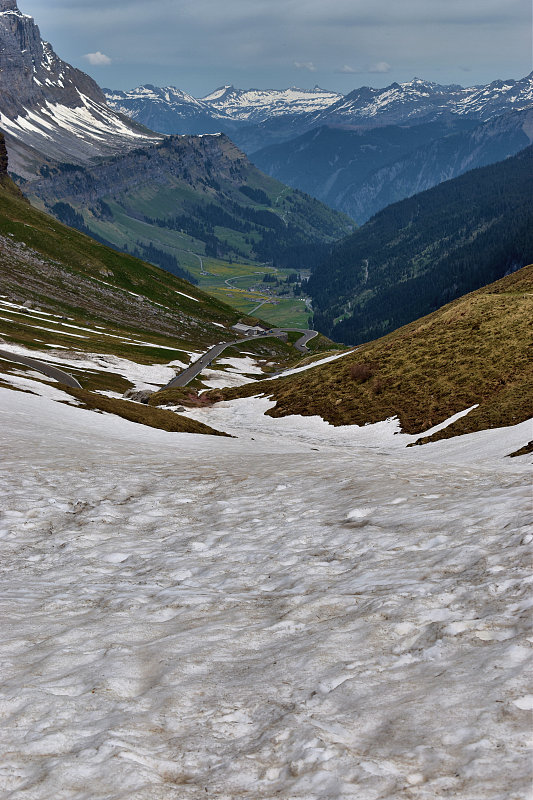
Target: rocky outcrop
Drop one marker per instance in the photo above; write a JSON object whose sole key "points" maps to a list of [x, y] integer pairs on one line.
{"points": [[49, 109], [31, 74], [3, 155], [195, 160], [5, 180]]}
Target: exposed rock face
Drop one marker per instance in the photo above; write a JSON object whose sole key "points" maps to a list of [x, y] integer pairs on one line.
{"points": [[3, 154], [50, 110], [31, 74], [187, 158], [138, 395]]}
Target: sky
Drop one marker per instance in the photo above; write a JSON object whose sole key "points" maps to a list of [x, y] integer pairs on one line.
{"points": [[198, 45]]}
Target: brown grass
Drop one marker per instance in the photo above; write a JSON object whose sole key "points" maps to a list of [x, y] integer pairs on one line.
{"points": [[472, 351], [362, 372], [185, 397], [524, 451], [144, 415]]}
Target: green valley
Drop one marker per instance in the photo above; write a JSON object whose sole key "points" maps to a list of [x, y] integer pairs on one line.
{"points": [[194, 200]]}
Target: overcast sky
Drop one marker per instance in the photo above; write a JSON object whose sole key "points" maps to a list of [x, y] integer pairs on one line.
{"points": [[199, 45]]}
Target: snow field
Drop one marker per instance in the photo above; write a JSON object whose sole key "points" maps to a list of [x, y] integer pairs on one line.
{"points": [[189, 617]]}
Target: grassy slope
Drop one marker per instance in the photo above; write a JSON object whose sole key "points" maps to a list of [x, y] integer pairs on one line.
{"points": [[99, 301], [82, 258], [176, 178], [472, 351]]}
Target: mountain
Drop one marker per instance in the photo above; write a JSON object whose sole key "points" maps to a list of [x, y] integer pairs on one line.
{"points": [[168, 110], [258, 105], [49, 264], [109, 319], [48, 109], [118, 324], [257, 118], [360, 172], [226, 110], [416, 255], [418, 101], [407, 104], [471, 354], [167, 200], [190, 194]]}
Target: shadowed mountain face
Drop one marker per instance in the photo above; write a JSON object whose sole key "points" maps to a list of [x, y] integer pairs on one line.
{"points": [[417, 255], [191, 193], [361, 172], [3, 158], [49, 109]]}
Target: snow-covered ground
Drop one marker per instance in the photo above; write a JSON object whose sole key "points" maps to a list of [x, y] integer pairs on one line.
{"points": [[294, 613]]}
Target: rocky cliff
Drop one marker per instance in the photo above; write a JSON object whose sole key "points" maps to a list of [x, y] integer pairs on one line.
{"points": [[31, 74], [5, 180], [3, 157], [49, 109]]}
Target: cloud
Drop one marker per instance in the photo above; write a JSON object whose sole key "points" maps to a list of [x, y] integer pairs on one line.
{"points": [[199, 44], [98, 59], [308, 65], [380, 68]]}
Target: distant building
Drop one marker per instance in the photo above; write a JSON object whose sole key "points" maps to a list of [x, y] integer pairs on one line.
{"points": [[247, 330]]}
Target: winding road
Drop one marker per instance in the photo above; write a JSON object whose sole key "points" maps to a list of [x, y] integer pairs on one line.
{"points": [[188, 374], [41, 366], [184, 377]]}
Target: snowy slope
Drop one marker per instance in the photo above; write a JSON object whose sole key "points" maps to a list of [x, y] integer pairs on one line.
{"points": [[167, 110], [186, 616], [256, 105], [47, 107], [170, 110], [255, 118], [422, 101]]}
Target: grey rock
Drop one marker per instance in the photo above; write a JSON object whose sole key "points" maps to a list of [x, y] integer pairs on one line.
{"points": [[138, 395], [33, 79]]}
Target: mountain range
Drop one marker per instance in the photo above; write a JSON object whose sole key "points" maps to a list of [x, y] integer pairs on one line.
{"points": [[190, 194], [356, 153], [284, 114], [170, 110], [360, 172], [176, 200], [168, 199]]}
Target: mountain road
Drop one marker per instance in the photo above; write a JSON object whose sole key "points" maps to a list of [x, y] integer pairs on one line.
{"points": [[188, 374], [41, 366]]}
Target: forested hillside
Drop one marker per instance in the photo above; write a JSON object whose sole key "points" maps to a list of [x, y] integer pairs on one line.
{"points": [[190, 194], [421, 253]]}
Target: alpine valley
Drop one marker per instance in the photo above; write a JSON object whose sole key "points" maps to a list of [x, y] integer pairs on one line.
{"points": [[175, 201], [240, 559], [357, 153]]}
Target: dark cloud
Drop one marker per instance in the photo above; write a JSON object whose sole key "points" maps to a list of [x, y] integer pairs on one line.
{"points": [[200, 44]]}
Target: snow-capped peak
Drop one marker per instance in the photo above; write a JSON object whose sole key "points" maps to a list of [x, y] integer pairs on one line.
{"points": [[256, 105], [418, 100], [49, 105]]}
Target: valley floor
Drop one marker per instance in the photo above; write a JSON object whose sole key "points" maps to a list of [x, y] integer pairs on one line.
{"points": [[299, 612]]}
